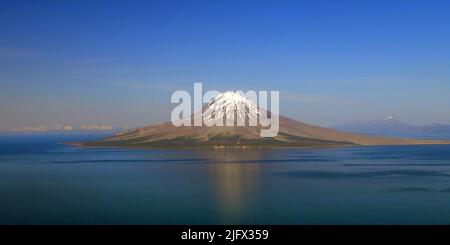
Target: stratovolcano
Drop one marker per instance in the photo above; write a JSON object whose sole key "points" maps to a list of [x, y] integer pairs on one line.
{"points": [[291, 132]]}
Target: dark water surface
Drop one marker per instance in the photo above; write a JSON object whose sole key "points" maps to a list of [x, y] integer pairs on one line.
{"points": [[44, 182]]}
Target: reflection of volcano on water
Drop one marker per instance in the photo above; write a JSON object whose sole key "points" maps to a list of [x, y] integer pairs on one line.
{"points": [[234, 184]]}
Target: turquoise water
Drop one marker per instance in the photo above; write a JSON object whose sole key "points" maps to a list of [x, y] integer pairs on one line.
{"points": [[44, 182]]}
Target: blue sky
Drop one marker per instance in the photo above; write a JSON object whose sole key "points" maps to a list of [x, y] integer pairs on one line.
{"points": [[117, 62]]}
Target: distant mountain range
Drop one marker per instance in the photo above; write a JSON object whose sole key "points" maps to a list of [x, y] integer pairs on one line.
{"points": [[393, 127], [64, 128]]}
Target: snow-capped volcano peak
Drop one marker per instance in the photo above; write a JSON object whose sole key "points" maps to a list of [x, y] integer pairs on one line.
{"points": [[390, 120], [232, 106], [232, 100]]}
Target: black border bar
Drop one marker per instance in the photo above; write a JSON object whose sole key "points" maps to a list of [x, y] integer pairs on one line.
{"points": [[167, 233]]}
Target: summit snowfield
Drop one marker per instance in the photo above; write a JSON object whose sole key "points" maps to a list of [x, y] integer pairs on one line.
{"points": [[232, 107]]}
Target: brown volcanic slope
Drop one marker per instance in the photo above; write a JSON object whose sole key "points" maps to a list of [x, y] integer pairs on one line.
{"points": [[291, 134]]}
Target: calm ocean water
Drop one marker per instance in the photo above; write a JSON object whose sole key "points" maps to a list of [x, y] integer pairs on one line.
{"points": [[45, 182]]}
